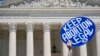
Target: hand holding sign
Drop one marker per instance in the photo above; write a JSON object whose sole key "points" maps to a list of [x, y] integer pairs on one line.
{"points": [[69, 45], [79, 30]]}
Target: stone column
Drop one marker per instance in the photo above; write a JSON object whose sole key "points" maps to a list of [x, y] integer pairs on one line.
{"points": [[83, 50], [98, 39], [65, 49], [12, 39], [30, 44], [47, 43]]}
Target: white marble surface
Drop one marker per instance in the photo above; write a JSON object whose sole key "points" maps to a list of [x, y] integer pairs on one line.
{"points": [[54, 4]]}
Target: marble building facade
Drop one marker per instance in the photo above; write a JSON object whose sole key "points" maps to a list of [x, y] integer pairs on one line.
{"points": [[34, 36]]}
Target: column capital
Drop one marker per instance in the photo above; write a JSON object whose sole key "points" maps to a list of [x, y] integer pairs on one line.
{"points": [[98, 27], [12, 26], [29, 26], [62, 23], [46, 26]]}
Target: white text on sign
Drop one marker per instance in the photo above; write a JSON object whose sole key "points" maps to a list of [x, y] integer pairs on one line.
{"points": [[74, 28]]}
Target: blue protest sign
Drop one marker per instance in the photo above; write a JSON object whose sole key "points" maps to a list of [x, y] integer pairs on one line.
{"points": [[79, 30]]}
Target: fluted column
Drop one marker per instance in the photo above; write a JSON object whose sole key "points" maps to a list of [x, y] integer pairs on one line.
{"points": [[98, 39], [30, 44], [65, 49], [83, 50], [12, 39], [47, 42]]}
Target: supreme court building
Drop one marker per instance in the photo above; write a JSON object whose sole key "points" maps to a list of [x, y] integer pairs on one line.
{"points": [[33, 29]]}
